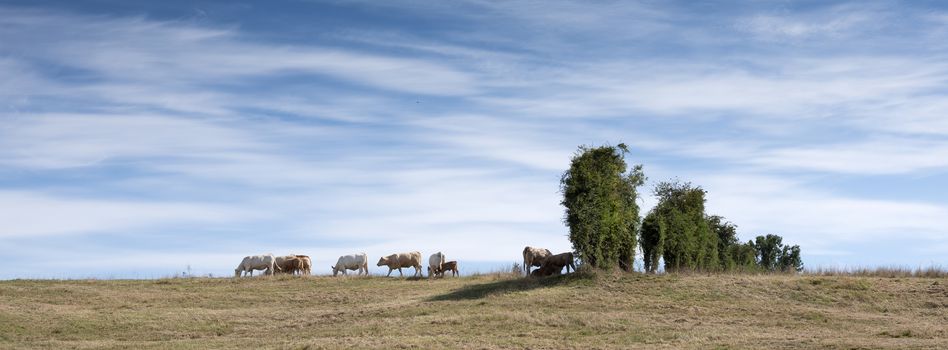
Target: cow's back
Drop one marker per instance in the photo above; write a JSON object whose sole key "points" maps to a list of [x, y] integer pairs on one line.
{"points": [[352, 261], [360, 259], [408, 259], [436, 260]]}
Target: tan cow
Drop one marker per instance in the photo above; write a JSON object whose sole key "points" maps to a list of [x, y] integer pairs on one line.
{"points": [[533, 257], [449, 266], [400, 260], [288, 264], [307, 265]]}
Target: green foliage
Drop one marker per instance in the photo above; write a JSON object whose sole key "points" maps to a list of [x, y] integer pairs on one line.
{"points": [[789, 260], [773, 255], [652, 241], [601, 209], [768, 250], [744, 256], [688, 240], [678, 230], [727, 238]]}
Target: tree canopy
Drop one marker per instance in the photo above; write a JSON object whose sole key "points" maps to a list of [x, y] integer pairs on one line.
{"points": [[599, 194]]}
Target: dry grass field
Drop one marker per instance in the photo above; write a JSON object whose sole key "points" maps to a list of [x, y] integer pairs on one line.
{"points": [[603, 310]]}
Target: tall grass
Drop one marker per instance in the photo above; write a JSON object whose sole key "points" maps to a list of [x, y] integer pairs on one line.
{"points": [[933, 271]]}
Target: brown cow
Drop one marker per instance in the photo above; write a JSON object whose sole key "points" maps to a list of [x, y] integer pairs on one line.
{"points": [[553, 265], [449, 266], [533, 257], [560, 260], [289, 264], [307, 264], [400, 260]]}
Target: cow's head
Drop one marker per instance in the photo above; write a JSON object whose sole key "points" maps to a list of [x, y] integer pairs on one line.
{"points": [[237, 272], [334, 271], [382, 261]]}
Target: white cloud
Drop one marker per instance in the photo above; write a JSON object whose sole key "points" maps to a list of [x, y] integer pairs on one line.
{"points": [[174, 53], [74, 140], [34, 214]]}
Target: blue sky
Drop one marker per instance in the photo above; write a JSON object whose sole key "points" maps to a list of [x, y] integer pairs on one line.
{"points": [[138, 139]]}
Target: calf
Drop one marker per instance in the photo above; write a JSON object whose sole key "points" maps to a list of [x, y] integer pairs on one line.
{"points": [[449, 266]]}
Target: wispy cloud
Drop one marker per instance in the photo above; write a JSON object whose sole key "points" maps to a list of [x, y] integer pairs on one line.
{"points": [[32, 214]]}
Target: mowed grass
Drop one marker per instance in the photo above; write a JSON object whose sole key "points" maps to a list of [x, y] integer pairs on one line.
{"points": [[603, 310]]}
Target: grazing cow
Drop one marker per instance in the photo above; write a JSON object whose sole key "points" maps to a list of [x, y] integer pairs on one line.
{"points": [[434, 264], [400, 260], [449, 266], [352, 262], [255, 262], [288, 264], [307, 265], [558, 261], [534, 257]]}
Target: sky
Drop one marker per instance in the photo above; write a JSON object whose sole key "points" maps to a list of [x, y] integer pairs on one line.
{"points": [[143, 139]]}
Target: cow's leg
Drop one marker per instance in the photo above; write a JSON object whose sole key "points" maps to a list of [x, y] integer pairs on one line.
{"points": [[390, 272]]}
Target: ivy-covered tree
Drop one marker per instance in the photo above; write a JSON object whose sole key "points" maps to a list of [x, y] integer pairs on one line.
{"points": [[652, 240], [599, 194], [727, 238], [688, 240]]}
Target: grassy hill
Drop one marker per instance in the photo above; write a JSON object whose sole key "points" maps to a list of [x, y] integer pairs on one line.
{"points": [[495, 311]]}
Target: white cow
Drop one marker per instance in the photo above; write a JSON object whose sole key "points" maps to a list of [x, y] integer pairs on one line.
{"points": [[534, 257], [434, 264], [352, 262], [255, 262]]}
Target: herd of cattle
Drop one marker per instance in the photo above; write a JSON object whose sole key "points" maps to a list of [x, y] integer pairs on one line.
{"points": [[548, 263]]}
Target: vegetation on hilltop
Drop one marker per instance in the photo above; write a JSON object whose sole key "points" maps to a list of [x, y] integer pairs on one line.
{"points": [[600, 195]]}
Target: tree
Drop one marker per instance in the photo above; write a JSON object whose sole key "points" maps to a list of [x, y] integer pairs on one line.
{"points": [[727, 238], [688, 240], [652, 241], [744, 255], [601, 210], [790, 260], [768, 250]]}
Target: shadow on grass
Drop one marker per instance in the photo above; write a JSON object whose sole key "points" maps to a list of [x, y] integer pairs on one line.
{"points": [[517, 284]]}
